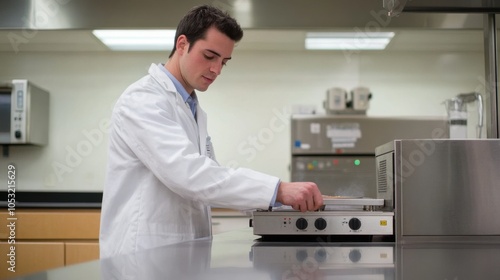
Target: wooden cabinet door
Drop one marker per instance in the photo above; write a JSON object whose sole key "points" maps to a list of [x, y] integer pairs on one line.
{"points": [[31, 257], [77, 252], [54, 224]]}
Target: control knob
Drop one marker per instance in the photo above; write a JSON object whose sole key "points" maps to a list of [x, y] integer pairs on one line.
{"points": [[17, 134], [320, 223], [354, 224], [301, 223]]}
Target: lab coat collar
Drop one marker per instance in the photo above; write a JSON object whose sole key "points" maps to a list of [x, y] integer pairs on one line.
{"points": [[200, 123], [163, 79]]}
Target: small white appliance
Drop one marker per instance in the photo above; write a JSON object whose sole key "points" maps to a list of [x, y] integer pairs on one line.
{"points": [[339, 101], [335, 100], [24, 113], [361, 98]]}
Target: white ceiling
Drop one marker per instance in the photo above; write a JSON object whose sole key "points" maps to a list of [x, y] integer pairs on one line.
{"points": [[275, 40]]}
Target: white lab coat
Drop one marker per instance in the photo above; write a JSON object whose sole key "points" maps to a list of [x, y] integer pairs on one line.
{"points": [[160, 180]]}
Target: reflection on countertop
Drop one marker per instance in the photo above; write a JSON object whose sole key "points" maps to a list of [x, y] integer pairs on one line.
{"points": [[240, 255]]}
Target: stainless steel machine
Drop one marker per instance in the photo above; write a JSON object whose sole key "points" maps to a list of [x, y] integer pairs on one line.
{"points": [[338, 153], [341, 216], [441, 190]]}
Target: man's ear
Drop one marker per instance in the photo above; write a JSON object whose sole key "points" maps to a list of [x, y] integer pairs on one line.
{"points": [[182, 45]]}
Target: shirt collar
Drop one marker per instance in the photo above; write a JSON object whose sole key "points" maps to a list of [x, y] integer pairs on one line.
{"points": [[178, 86]]}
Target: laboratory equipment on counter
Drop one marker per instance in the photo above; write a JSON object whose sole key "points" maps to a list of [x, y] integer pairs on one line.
{"points": [[441, 190], [339, 101], [337, 152], [456, 108], [24, 113], [347, 218]]}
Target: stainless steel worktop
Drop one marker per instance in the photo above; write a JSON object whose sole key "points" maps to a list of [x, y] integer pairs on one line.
{"points": [[238, 255]]}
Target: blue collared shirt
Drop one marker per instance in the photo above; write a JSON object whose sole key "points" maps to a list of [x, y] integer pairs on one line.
{"points": [[190, 99]]}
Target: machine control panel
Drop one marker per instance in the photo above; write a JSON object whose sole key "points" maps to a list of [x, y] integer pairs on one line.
{"points": [[323, 223]]}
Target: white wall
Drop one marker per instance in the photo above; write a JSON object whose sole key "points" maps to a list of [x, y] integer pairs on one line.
{"points": [[252, 99]]}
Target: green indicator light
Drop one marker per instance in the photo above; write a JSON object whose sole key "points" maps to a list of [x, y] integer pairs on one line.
{"points": [[357, 162], [315, 163]]}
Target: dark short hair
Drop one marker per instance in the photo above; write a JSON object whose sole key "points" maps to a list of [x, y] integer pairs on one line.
{"points": [[198, 20]]}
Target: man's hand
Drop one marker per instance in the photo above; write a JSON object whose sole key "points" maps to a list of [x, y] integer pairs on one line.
{"points": [[303, 196]]}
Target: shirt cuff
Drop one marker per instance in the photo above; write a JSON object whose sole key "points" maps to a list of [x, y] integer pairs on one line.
{"points": [[273, 200]]}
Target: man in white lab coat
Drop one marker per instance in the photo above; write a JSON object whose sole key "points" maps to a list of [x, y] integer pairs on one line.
{"points": [[162, 175]]}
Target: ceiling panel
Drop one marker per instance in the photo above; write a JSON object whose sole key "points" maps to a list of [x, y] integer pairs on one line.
{"points": [[255, 14]]}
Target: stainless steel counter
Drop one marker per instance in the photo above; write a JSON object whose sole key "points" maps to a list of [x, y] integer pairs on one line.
{"points": [[237, 255]]}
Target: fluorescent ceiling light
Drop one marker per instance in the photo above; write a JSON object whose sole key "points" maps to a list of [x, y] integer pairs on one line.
{"points": [[348, 40], [137, 40]]}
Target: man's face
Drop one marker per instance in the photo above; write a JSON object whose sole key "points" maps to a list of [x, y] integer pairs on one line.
{"points": [[203, 63]]}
